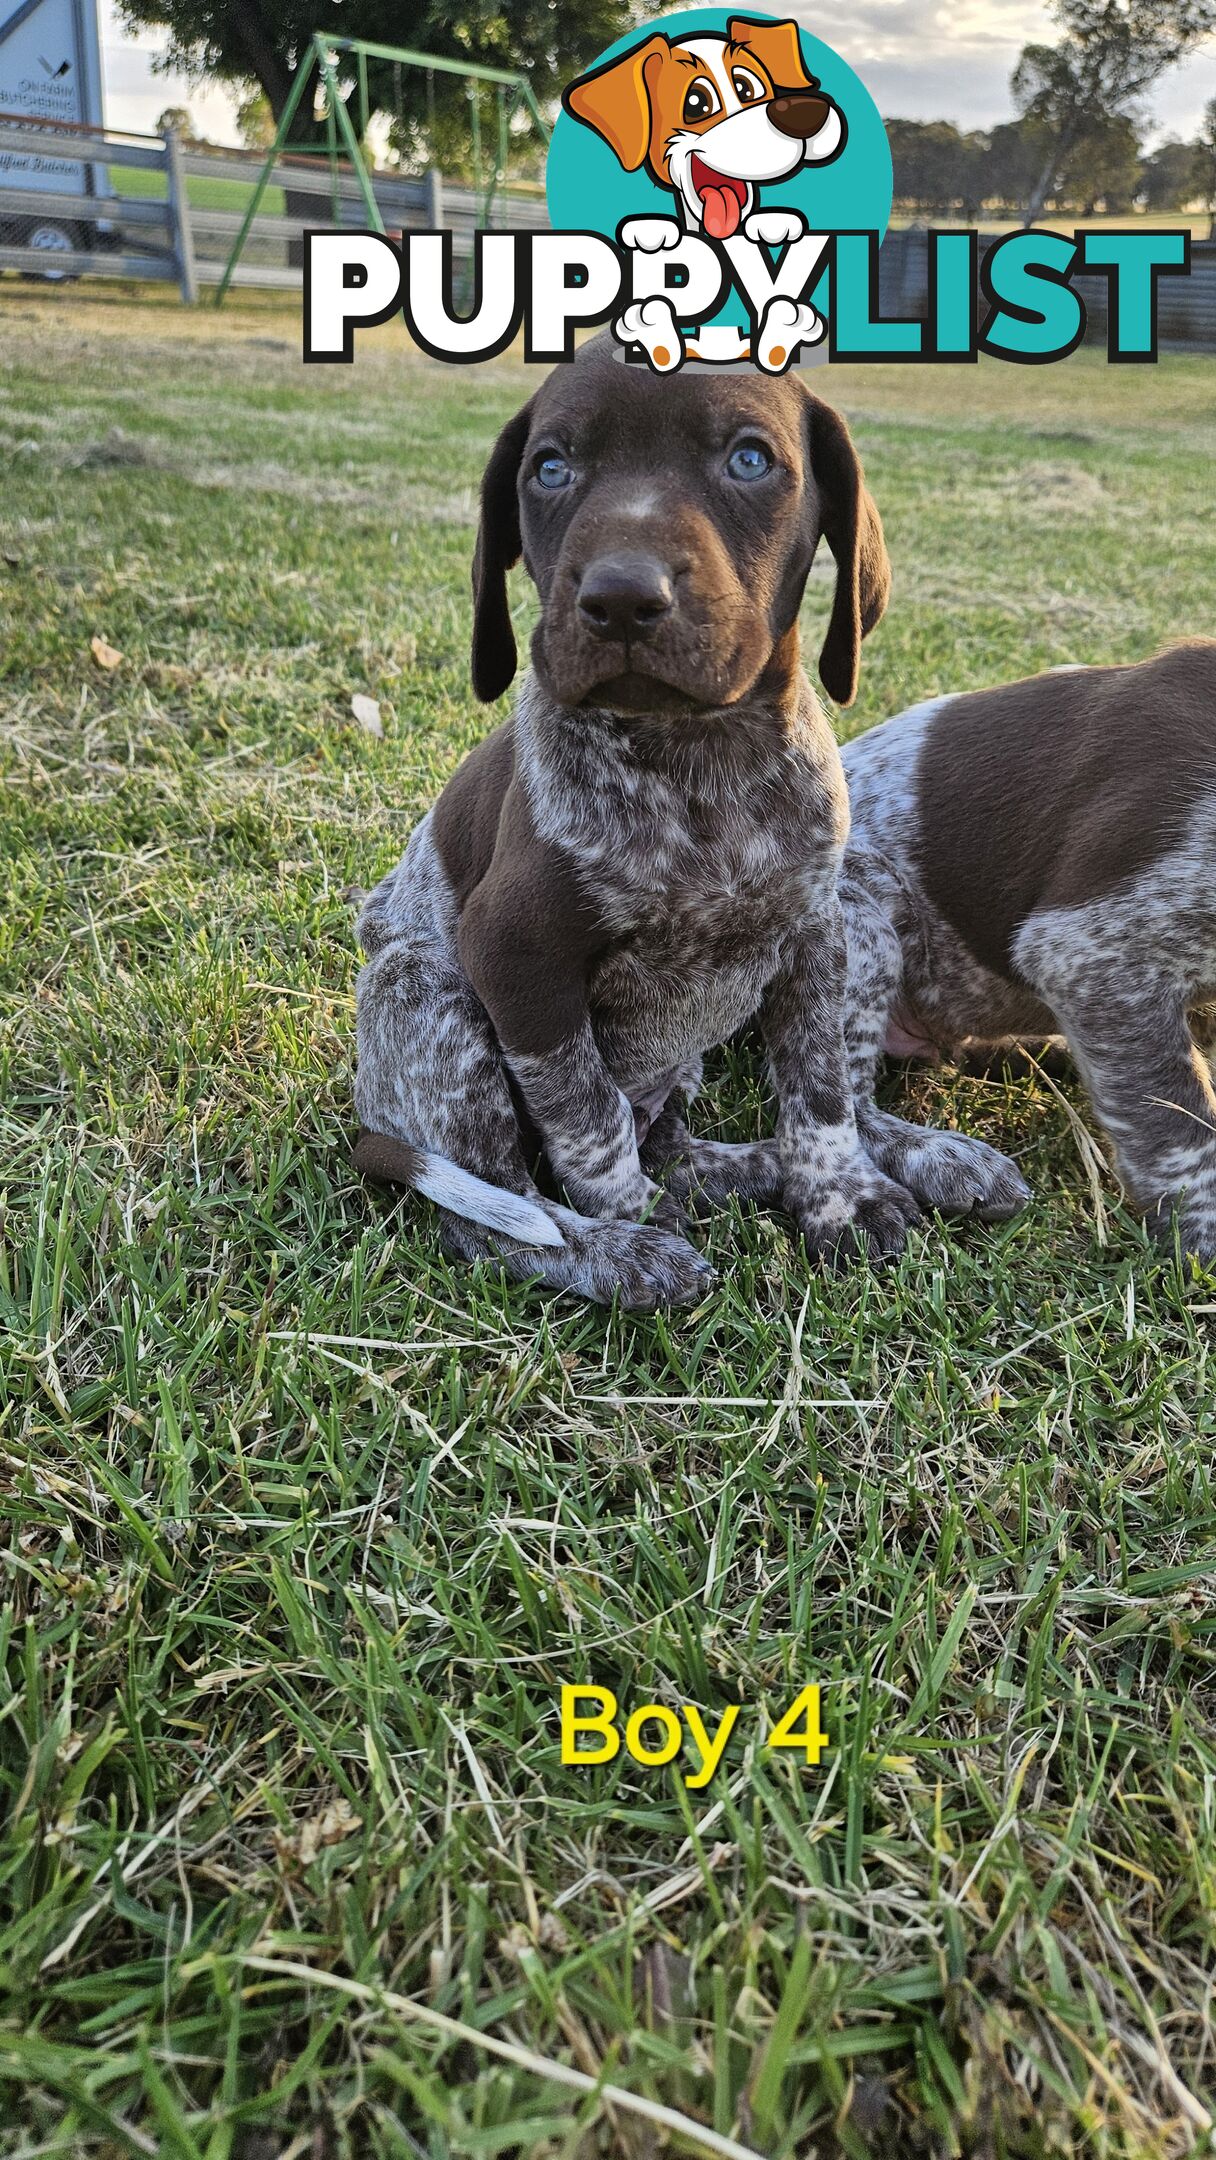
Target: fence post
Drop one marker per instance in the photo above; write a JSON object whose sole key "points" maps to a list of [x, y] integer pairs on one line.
{"points": [[179, 217], [434, 197]]}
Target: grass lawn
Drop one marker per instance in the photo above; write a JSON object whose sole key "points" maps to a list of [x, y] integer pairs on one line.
{"points": [[207, 191], [307, 1528]]}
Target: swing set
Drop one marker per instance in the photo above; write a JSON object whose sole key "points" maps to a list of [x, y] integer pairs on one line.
{"points": [[512, 94]]}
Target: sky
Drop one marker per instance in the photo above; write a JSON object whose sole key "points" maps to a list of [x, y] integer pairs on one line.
{"points": [[920, 59]]}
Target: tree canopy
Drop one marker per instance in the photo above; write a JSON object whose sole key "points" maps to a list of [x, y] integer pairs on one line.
{"points": [[1110, 54], [1205, 161], [1168, 179], [942, 172], [262, 42]]}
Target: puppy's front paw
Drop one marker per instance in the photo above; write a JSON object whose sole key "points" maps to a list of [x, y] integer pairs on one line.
{"points": [[774, 228], [643, 1266], [649, 234], [948, 1172], [859, 1216], [660, 1269]]}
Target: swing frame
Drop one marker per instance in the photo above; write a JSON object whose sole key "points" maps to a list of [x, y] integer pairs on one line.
{"points": [[321, 60]]}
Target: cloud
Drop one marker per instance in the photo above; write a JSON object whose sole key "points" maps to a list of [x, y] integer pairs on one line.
{"points": [[921, 60], [925, 60]]}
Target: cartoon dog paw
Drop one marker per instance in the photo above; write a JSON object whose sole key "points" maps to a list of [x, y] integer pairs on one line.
{"points": [[774, 228], [784, 326], [650, 234], [652, 325]]}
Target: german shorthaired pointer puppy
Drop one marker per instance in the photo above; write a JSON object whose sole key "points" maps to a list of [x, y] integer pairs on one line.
{"points": [[646, 855], [1041, 859]]}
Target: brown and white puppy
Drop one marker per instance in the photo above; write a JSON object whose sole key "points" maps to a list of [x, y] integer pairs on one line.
{"points": [[645, 856], [1040, 859], [712, 117]]}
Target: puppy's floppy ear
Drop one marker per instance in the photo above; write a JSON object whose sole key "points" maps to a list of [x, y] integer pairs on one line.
{"points": [[776, 46], [615, 100], [853, 530], [498, 546]]}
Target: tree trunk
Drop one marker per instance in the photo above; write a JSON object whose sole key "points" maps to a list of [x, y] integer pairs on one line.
{"points": [[265, 62], [1047, 178], [277, 79]]}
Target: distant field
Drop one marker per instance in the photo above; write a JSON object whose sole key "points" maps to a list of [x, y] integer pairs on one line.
{"points": [[205, 192], [307, 1527]]}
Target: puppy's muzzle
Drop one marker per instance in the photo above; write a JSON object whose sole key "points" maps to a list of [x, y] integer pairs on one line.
{"points": [[656, 603], [624, 596]]}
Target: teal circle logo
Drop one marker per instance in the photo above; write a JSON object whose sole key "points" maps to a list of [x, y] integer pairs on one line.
{"points": [[709, 117]]}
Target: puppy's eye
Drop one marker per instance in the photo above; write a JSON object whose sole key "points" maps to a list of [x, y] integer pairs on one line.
{"points": [[747, 87], [552, 471], [700, 100], [749, 461]]}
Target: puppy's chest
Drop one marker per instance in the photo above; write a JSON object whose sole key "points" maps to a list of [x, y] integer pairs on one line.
{"points": [[696, 932], [701, 891]]}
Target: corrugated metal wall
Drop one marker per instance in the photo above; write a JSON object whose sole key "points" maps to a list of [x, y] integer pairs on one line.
{"points": [[1186, 306]]}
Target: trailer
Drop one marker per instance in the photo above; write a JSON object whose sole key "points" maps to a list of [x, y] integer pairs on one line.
{"points": [[50, 70]]}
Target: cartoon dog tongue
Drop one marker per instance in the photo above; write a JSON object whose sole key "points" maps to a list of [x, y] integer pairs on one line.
{"points": [[721, 199], [720, 212]]}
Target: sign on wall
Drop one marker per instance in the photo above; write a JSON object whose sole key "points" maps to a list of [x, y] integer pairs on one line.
{"points": [[50, 69]]}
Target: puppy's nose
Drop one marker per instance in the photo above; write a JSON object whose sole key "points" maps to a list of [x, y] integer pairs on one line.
{"points": [[624, 595], [797, 113]]}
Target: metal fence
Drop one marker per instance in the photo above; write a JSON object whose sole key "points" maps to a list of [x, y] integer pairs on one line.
{"points": [[90, 223], [61, 214], [78, 181], [313, 195]]}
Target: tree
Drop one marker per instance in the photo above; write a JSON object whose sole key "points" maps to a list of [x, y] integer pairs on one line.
{"points": [[937, 169], [255, 120], [1016, 153], [265, 42], [1102, 169], [1110, 54], [177, 120], [1168, 178], [1205, 165]]}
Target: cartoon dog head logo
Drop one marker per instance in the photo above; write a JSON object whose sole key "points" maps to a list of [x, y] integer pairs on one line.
{"points": [[713, 117]]}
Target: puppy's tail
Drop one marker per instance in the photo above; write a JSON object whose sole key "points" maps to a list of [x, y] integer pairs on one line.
{"points": [[394, 1162]]}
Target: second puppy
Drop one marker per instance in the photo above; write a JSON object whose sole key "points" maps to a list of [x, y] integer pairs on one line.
{"points": [[1038, 860], [646, 855]]}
